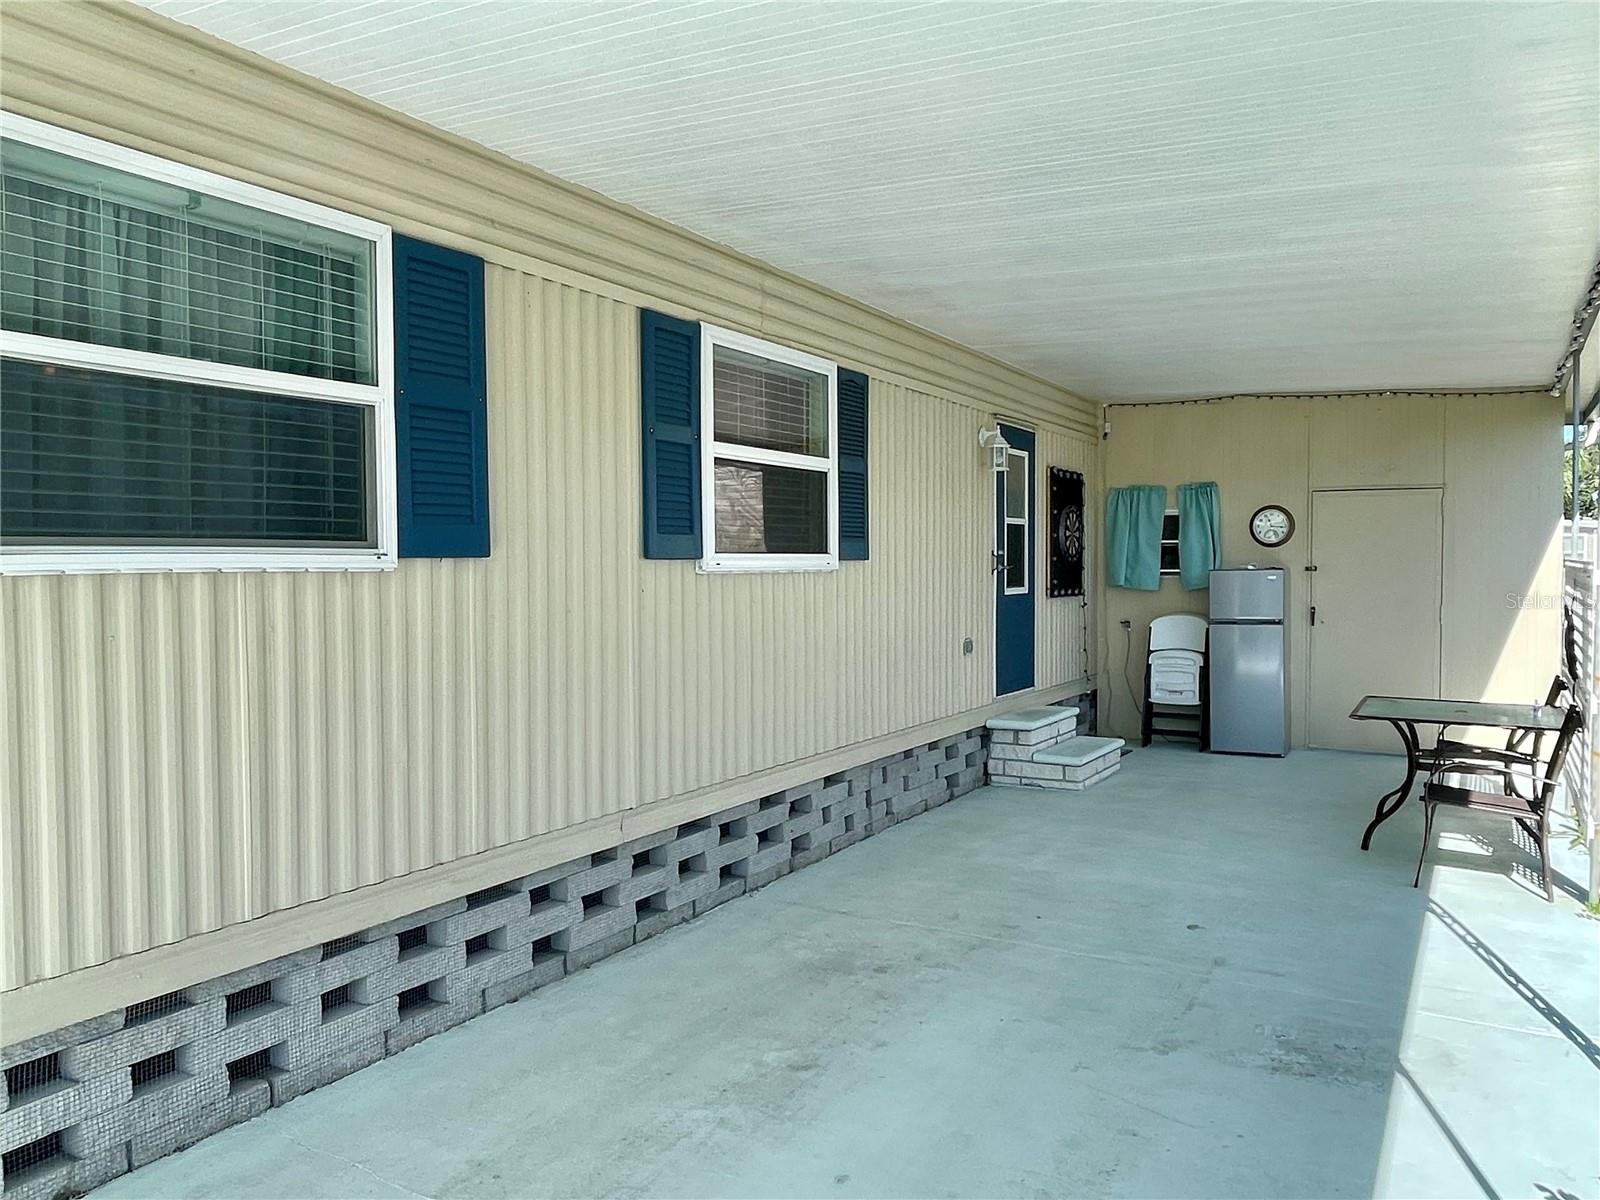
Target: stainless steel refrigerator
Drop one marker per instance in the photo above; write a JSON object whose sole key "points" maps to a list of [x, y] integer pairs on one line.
{"points": [[1247, 661]]}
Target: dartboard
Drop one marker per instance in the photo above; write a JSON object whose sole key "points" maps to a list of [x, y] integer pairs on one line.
{"points": [[1067, 528], [1069, 533]]}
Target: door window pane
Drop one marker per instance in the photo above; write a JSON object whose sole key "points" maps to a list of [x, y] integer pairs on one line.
{"points": [[93, 254], [94, 457], [1016, 556], [1016, 484], [769, 404], [770, 510]]}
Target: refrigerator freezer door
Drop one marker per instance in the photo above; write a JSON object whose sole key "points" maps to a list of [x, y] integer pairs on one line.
{"points": [[1247, 595], [1249, 714]]}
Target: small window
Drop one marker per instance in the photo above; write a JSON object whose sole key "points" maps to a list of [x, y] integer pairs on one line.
{"points": [[1017, 550], [197, 372], [1169, 542], [768, 416]]}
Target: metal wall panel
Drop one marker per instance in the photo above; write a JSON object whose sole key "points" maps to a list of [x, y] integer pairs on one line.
{"points": [[186, 752], [1063, 627], [190, 751]]}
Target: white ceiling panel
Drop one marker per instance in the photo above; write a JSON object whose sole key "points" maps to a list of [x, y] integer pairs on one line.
{"points": [[1137, 201]]}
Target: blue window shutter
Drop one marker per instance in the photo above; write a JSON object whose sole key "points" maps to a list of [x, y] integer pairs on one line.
{"points": [[441, 403], [852, 401], [669, 390]]}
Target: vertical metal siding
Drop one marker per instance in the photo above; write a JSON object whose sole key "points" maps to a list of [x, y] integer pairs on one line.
{"points": [[189, 751], [1063, 626]]}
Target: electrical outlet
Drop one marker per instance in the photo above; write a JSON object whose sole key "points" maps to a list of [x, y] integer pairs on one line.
{"points": [[1126, 624]]}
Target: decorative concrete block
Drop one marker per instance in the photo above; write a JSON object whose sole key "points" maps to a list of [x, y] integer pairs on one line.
{"points": [[438, 967], [600, 921], [92, 1153], [287, 1085], [177, 1097], [243, 1100], [548, 966], [280, 1028], [764, 859], [648, 880], [60, 1039], [849, 838], [696, 878], [60, 1105], [764, 875], [690, 840], [727, 889], [592, 952], [548, 917], [604, 870], [267, 972], [658, 920], [486, 912], [336, 970], [548, 875], [432, 1016]]}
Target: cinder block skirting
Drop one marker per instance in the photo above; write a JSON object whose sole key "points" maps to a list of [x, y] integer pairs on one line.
{"points": [[92, 1101]]}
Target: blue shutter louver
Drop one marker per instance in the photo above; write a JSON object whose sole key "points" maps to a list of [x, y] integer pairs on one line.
{"points": [[669, 391], [852, 403], [441, 404]]}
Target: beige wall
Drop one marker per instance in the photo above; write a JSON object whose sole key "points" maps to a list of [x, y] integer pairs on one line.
{"points": [[1497, 457], [202, 770]]}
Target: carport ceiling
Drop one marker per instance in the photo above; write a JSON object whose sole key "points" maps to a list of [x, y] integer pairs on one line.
{"points": [[1136, 201]]}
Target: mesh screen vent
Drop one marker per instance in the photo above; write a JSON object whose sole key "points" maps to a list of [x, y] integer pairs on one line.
{"points": [[478, 945], [341, 945], [251, 1066], [335, 999], [413, 998], [539, 895], [410, 939], [30, 1076], [487, 896], [33, 1154], [157, 1066], [248, 998], [158, 1006]]}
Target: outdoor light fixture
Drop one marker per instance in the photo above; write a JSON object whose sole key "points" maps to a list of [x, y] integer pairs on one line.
{"points": [[999, 449]]}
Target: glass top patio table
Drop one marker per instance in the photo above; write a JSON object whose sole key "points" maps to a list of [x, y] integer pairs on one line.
{"points": [[1418, 711]]}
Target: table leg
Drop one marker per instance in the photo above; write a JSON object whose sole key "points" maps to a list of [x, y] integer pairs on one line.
{"points": [[1391, 802]]}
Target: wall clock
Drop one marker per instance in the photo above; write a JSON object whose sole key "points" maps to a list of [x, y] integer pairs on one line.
{"points": [[1272, 525]]}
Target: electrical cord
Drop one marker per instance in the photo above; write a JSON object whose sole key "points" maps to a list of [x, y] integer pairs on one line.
{"points": [[1127, 670]]}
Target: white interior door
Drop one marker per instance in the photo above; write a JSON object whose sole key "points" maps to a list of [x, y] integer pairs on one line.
{"points": [[1376, 593]]}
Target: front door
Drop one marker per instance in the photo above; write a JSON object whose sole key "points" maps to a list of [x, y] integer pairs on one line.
{"points": [[1375, 597], [1014, 566]]}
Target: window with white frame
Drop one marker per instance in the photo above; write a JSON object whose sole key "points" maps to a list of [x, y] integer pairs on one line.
{"points": [[196, 372], [1169, 542], [768, 415], [1017, 550]]}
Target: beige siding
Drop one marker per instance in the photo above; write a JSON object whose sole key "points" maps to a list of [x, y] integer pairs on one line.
{"points": [[188, 753], [1064, 629], [203, 749], [1497, 458]]}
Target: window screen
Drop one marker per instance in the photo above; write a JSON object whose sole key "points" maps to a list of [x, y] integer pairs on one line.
{"points": [[93, 254], [93, 457], [768, 404], [771, 510]]}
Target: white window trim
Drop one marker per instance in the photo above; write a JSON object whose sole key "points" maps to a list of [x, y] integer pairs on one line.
{"points": [[1024, 521], [711, 450], [1164, 572], [33, 560]]}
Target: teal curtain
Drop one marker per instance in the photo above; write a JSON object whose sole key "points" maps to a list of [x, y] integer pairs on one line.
{"points": [[1199, 534], [1133, 536]]}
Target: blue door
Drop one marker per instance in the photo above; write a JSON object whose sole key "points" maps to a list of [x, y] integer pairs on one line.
{"points": [[1014, 566]]}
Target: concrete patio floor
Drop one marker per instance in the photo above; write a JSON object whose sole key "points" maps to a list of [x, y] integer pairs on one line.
{"points": [[1188, 981]]}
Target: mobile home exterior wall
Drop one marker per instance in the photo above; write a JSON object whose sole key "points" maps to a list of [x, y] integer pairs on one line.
{"points": [[207, 769]]}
